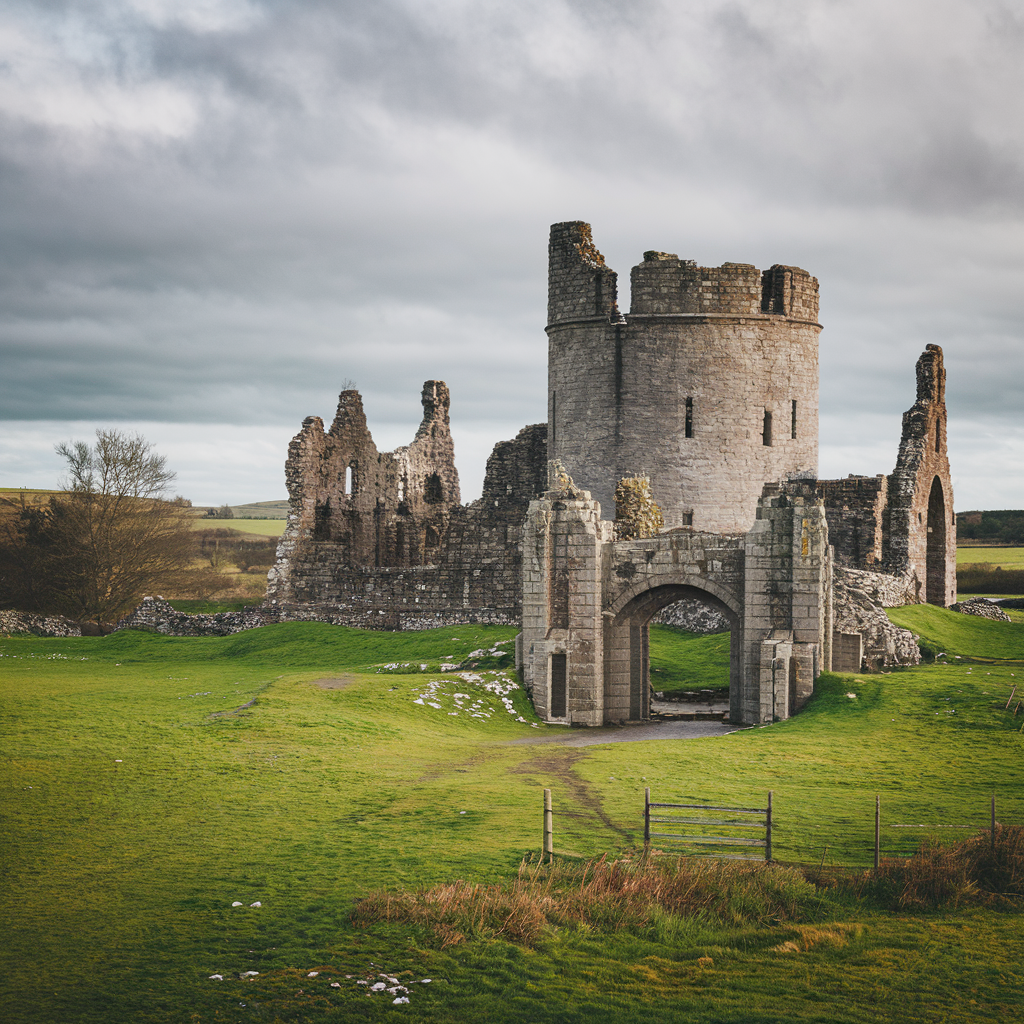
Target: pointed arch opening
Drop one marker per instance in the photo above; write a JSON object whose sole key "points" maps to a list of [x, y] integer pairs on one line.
{"points": [[935, 564]]}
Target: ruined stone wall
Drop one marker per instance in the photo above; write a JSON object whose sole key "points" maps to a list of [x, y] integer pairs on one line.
{"points": [[856, 508], [922, 525], [392, 553], [709, 385], [859, 601]]}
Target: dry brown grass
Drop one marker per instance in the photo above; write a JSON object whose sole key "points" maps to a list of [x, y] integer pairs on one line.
{"points": [[632, 894], [625, 894], [974, 871]]}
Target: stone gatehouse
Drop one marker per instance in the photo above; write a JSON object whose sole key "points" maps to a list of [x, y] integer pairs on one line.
{"points": [[708, 387]]}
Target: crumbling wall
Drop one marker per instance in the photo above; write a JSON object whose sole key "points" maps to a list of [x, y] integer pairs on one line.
{"points": [[859, 600], [380, 540], [856, 510], [922, 526]]}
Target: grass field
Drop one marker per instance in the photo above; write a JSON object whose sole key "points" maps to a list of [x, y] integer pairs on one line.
{"points": [[1008, 558], [260, 527], [152, 782]]}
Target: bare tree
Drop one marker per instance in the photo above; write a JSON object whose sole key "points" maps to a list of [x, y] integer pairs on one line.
{"points": [[111, 536]]}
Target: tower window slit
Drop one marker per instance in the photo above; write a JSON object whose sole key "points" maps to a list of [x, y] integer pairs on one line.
{"points": [[689, 417], [792, 432], [766, 435]]}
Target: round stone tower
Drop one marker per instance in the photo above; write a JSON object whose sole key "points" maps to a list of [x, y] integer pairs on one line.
{"points": [[709, 384]]}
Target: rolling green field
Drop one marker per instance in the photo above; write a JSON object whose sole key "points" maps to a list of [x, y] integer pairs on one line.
{"points": [[1008, 558], [150, 783], [260, 527]]}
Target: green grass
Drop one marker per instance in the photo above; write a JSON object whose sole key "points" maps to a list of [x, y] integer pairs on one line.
{"points": [[682, 661], [198, 607], [1008, 557], [149, 782], [259, 527], [964, 635]]}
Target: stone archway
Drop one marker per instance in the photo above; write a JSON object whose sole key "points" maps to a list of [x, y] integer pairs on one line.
{"points": [[935, 559], [627, 631], [588, 599]]}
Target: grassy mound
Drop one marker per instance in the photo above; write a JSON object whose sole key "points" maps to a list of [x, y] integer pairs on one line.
{"points": [[966, 635]]}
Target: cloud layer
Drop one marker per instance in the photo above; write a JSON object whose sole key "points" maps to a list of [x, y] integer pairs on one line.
{"points": [[215, 211]]}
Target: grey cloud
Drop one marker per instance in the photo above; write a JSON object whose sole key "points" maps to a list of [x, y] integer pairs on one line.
{"points": [[331, 190]]}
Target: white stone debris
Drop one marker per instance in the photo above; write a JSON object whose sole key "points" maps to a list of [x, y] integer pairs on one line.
{"points": [[249, 974], [237, 903], [216, 977], [378, 986], [256, 904], [399, 1000], [312, 974], [337, 984]]}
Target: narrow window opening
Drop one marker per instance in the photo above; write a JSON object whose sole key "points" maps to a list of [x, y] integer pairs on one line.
{"points": [[686, 518], [938, 435], [766, 435], [348, 480], [558, 685], [401, 488], [689, 417], [433, 490], [792, 432]]}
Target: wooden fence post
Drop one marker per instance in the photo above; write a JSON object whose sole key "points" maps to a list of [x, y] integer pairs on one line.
{"points": [[549, 838], [878, 829], [768, 831], [647, 817]]}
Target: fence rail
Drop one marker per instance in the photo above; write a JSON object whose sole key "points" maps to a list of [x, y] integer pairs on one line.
{"points": [[753, 833], [702, 838]]}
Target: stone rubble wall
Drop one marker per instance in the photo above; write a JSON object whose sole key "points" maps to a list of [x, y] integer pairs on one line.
{"points": [[37, 625], [155, 615], [979, 606], [859, 602], [695, 616]]}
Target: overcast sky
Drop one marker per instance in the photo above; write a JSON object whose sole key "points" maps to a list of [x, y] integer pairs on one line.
{"points": [[215, 212]]}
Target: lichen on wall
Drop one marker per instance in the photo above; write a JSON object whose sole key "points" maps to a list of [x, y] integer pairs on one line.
{"points": [[637, 514]]}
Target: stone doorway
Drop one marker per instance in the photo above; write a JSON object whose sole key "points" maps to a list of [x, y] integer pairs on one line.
{"points": [[627, 646]]}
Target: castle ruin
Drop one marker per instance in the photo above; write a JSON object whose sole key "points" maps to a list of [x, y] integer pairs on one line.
{"points": [[708, 387]]}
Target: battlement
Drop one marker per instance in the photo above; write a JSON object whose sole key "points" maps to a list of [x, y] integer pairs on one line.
{"points": [[665, 284]]}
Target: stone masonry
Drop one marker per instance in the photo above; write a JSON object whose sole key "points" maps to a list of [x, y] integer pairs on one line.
{"points": [[380, 539], [903, 524], [708, 388]]}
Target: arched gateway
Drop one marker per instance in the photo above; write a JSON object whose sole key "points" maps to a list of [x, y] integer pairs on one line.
{"points": [[588, 601]]}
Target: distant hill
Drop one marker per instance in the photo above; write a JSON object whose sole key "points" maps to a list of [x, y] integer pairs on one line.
{"points": [[1003, 527], [253, 510]]}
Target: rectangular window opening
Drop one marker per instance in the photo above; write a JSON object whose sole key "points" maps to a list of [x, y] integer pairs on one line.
{"points": [[766, 434], [792, 433], [558, 685], [689, 417]]}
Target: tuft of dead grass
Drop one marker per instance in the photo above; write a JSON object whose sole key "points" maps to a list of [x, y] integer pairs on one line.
{"points": [[635, 894], [607, 895]]}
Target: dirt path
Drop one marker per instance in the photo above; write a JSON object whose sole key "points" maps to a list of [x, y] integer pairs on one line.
{"points": [[560, 764], [568, 737]]}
